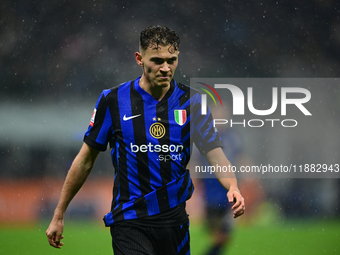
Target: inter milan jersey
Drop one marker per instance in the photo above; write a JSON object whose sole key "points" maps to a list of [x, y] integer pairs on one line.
{"points": [[150, 144]]}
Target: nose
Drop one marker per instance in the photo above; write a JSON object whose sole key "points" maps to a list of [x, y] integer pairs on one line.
{"points": [[165, 67]]}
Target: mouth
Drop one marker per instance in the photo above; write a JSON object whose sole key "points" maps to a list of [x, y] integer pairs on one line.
{"points": [[161, 77]]}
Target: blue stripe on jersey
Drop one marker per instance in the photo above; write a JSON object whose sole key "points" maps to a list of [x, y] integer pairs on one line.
{"points": [[152, 203], [208, 129], [201, 124], [213, 137], [131, 174], [96, 107], [173, 191], [187, 151], [125, 110], [105, 131], [106, 92], [115, 200], [129, 212], [175, 132], [101, 125]]}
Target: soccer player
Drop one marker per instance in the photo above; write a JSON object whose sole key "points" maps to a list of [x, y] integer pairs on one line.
{"points": [[150, 124]]}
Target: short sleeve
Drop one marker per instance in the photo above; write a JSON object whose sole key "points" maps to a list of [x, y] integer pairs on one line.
{"points": [[205, 135], [100, 127]]}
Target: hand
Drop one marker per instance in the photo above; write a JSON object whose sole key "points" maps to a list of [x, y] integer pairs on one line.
{"points": [[234, 196], [54, 233]]}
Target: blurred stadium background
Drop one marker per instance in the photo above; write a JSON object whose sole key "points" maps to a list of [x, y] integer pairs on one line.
{"points": [[57, 56]]}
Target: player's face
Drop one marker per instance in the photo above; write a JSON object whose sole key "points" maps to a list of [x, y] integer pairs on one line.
{"points": [[159, 65]]}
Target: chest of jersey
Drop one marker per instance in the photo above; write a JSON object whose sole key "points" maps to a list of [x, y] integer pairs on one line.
{"points": [[153, 128]]}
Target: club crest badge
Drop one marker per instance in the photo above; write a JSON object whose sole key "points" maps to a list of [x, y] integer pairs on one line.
{"points": [[157, 130]]}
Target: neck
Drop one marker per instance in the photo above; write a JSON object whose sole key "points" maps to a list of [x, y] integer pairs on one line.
{"points": [[157, 92]]}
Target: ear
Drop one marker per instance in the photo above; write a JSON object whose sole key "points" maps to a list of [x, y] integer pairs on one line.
{"points": [[138, 57]]}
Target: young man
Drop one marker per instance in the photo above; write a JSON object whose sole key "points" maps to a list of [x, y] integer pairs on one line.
{"points": [[150, 124]]}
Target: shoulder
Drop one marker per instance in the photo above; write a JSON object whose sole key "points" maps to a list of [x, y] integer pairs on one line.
{"points": [[188, 92], [187, 88], [113, 92]]}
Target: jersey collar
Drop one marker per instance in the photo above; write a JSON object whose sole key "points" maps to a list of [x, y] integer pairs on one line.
{"points": [[147, 97]]}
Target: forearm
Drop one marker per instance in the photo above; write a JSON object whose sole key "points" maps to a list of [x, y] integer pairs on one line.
{"points": [[229, 183], [77, 175], [75, 179], [226, 178]]}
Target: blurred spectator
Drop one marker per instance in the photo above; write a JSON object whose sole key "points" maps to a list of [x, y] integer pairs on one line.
{"points": [[219, 218], [52, 49]]}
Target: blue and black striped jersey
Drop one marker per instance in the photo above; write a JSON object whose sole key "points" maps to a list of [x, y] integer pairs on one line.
{"points": [[150, 145]]}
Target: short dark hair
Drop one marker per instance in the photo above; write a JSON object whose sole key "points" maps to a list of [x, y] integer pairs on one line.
{"points": [[153, 36]]}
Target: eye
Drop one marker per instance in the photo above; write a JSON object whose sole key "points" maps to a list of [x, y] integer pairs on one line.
{"points": [[158, 61], [171, 61]]}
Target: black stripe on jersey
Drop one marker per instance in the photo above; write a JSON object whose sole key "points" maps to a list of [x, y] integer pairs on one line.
{"points": [[163, 199], [118, 215], [186, 96], [121, 185], [190, 189], [162, 113], [186, 129], [182, 100], [101, 111], [139, 131], [206, 127], [140, 207], [186, 247], [165, 167], [183, 187], [112, 97], [169, 92]]}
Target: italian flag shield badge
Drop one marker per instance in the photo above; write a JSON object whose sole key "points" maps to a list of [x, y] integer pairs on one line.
{"points": [[180, 116]]}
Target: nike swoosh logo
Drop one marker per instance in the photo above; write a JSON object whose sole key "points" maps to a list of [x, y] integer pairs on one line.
{"points": [[131, 117]]}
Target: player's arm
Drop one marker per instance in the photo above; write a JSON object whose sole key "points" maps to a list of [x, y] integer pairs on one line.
{"points": [[77, 175], [216, 157]]}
